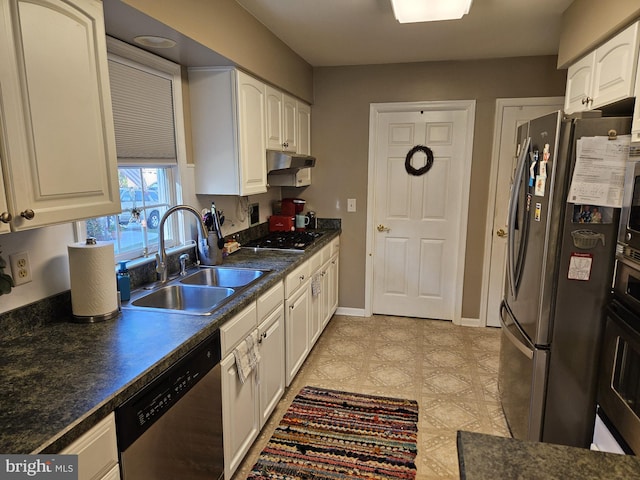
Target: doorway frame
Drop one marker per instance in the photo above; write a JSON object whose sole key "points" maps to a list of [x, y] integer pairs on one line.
{"points": [[375, 109], [501, 104]]}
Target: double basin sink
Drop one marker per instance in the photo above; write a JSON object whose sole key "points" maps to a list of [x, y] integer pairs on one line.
{"points": [[198, 293]]}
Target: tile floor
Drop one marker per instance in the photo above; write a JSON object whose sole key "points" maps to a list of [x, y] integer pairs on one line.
{"points": [[450, 370]]}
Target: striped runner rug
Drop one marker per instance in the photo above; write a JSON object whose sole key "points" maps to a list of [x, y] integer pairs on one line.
{"points": [[326, 434]]}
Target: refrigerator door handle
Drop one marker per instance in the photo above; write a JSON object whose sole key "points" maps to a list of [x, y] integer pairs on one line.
{"points": [[520, 343], [512, 213]]}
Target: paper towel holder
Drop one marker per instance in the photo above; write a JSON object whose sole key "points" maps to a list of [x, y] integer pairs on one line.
{"points": [[97, 317]]}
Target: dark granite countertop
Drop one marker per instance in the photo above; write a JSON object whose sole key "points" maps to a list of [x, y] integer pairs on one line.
{"points": [[63, 378], [483, 456]]}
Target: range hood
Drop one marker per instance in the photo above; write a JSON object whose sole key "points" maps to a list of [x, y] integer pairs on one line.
{"points": [[286, 162]]}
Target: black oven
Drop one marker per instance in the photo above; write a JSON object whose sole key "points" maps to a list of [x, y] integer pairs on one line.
{"points": [[619, 376]]}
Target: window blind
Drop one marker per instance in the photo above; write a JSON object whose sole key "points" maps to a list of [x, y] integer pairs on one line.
{"points": [[143, 116]]}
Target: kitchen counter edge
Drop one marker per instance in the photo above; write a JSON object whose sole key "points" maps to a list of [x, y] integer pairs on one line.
{"points": [[482, 456], [67, 417]]}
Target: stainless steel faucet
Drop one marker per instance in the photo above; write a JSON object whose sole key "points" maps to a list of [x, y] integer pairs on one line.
{"points": [[207, 253]]}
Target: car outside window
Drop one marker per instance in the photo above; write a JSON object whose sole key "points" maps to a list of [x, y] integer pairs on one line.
{"points": [[145, 195]]}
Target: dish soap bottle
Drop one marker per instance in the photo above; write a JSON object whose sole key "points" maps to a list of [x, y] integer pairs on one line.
{"points": [[124, 282]]}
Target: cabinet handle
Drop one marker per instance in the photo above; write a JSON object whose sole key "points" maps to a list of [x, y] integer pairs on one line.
{"points": [[587, 100], [301, 278], [5, 217], [28, 214]]}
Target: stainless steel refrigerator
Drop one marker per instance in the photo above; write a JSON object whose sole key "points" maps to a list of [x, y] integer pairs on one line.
{"points": [[559, 274]]}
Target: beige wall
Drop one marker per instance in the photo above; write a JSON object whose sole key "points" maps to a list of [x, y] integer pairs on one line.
{"points": [[229, 30], [340, 141], [586, 23]]}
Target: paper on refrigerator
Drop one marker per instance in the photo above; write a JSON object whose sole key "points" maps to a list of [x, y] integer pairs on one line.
{"points": [[598, 176]]}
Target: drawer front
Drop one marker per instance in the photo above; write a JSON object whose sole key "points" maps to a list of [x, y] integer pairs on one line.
{"points": [[97, 450], [237, 329], [296, 279], [268, 302], [316, 262]]}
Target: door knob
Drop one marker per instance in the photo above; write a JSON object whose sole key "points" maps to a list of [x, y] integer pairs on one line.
{"points": [[5, 217], [501, 233], [382, 228]]}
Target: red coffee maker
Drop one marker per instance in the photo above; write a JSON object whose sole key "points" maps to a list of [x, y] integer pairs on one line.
{"points": [[292, 206]]}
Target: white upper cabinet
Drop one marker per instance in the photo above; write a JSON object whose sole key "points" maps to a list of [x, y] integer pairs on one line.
{"points": [[281, 120], [273, 124], [58, 148], [228, 131], [304, 128], [605, 75], [578, 88], [289, 123]]}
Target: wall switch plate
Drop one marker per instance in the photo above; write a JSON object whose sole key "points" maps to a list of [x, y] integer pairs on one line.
{"points": [[20, 268], [351, 204]]}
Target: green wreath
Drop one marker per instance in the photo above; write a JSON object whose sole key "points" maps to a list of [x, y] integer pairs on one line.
{"points": [[418, 171]]}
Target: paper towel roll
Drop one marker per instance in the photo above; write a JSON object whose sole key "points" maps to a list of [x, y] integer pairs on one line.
{"points": [[93, 282]]}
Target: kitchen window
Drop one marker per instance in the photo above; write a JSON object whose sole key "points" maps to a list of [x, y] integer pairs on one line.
{"points": [[144, 92]]}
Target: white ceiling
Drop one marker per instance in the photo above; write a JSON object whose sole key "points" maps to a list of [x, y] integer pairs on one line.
{"points": [[360, 32]]}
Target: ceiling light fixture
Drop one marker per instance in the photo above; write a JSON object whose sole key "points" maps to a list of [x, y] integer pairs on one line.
{"points": [[154, 41], [413, 11]]}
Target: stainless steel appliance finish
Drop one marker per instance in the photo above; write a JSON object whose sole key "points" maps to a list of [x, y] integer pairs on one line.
{"points": [[286, 162], [629, 233], [619, 377], [619, 390], [173, 427], [552, 322]]}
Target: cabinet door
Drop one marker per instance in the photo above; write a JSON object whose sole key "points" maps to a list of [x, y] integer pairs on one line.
{"points": [[304, 129], [272, 370], [251, 135], [97, 450], [289, 124], [240, 416], [332, 275], [615, 68], [297, 332], [316, 316], [273, 118], [578, 91], [59, 146]]}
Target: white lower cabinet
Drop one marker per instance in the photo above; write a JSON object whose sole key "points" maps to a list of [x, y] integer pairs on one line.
{"points": [[246, 406], [332, 287], [240, 416], [97, 452], [271, 371], [297, 331]]}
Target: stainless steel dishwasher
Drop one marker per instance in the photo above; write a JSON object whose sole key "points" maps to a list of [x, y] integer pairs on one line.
{"points": [[173, 427]]}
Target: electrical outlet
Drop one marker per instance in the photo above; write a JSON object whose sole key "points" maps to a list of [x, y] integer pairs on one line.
{"points": [[254, 214], [20, 268]]}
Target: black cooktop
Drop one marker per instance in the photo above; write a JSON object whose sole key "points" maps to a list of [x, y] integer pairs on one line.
{"points": [[286, 240]]}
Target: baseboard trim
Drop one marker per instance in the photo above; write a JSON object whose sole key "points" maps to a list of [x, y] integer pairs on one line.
{"points": [[470, 322], [350, 312]]}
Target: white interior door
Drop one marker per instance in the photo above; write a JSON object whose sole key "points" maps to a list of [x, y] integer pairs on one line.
{"points": [[417, 227], [510, 114]]}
